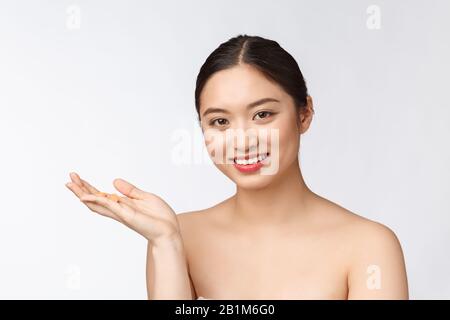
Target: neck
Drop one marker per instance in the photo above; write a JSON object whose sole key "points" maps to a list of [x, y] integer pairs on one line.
{"points": [[281, 201]]}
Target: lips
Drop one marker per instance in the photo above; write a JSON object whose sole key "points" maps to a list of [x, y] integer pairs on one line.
{"points": [[250, 163]]}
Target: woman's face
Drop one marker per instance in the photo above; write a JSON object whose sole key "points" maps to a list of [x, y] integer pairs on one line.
{"points": [[237, 128]]}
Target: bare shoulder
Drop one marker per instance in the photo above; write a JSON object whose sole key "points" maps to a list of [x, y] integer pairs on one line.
{"points": [[193, 218], [376, 266], [189, 221], [361, 231], [186, 217], [192, 222]]}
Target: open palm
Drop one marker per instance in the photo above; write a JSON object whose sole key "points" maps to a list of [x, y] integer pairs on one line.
{"points": [[144, 212]]}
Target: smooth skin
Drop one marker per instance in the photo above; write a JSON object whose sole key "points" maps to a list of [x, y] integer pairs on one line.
{"points": [[274, 238]]}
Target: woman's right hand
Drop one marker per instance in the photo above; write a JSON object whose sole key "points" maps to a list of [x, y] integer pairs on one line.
{"points": [[144, 212]]}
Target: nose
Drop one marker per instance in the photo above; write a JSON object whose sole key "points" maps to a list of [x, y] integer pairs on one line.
{"points": [[242, 141]]}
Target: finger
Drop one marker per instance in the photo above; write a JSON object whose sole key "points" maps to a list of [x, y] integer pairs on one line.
{"points": [[114, 197], [89, 187], [75, 189], [92, 206], [134, 219], [122, 211], [129, 202], [101, 210], [129, 190], [76, 179]]}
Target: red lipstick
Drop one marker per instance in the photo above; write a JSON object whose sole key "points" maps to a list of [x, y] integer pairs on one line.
{"points": [[251, 167], [248, 167]]}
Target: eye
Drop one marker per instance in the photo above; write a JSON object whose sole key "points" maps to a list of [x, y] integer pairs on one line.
{"points": [[220, 122], [264, 114]]}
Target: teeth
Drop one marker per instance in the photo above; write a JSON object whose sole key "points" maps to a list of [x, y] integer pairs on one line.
{"points": [[250, 161]]}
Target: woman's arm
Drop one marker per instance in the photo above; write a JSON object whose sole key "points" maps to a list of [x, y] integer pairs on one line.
{"points": [[167, 272], [149, 215]]}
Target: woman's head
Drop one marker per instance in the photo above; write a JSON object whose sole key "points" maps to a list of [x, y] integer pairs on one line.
{"points": [[251, 86]]}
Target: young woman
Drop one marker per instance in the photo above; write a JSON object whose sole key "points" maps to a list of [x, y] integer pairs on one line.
{"points": [[274, 238]]}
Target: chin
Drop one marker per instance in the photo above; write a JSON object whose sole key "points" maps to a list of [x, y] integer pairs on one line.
{"points": [[253, 182], [249, 181]]}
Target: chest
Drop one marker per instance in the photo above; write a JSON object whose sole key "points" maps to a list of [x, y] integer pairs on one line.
{"points": [[268, 268]]}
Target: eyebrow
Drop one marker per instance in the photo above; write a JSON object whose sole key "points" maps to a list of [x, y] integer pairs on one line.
{"points": [[249, 106]]}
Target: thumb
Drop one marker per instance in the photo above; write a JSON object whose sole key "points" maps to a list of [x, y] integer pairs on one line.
{"points": [[128, 189]]}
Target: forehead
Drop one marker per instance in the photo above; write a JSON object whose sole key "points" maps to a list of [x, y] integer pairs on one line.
{"points": [[236, 87]]}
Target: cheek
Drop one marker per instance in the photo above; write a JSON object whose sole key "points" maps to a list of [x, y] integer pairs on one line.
{"points": [[215, 145], [288, 141]]}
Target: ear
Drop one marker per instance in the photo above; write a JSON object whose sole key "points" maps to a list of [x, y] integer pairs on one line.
{"points": [[306, 115]]}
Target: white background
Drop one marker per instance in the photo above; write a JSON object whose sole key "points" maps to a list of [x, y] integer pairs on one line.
{"points": [[104, 100]]}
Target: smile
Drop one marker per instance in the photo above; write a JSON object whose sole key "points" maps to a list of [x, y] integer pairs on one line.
{"points": [[248, 164], [251, 160]]}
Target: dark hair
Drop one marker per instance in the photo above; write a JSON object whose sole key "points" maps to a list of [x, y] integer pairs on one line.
{"points": [[265, 55]]}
